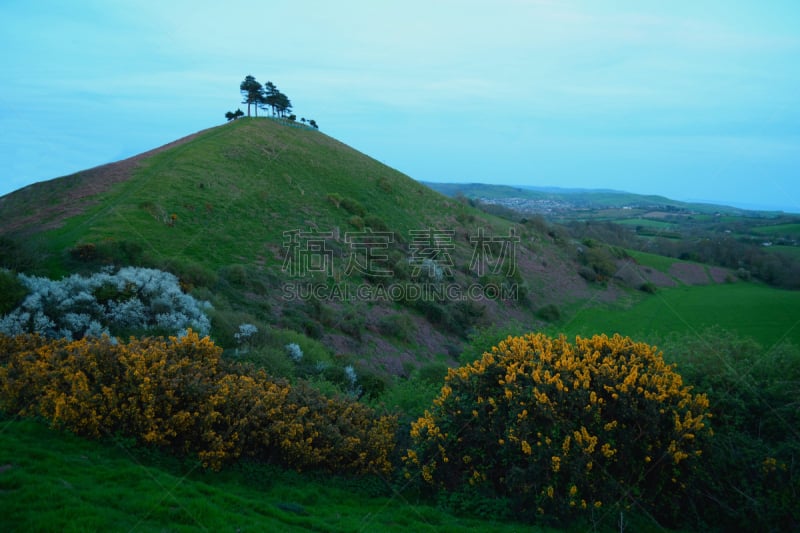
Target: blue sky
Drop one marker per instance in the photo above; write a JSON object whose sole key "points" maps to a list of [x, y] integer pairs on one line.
{"points": [[691, 100]]}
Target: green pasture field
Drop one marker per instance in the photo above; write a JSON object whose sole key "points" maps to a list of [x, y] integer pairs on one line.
{"points": [[792, 251], [54, 481], [765, 314], [661, 263], [646, 223], [792, 229]]}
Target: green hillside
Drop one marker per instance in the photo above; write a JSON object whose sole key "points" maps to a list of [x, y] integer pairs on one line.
{"points": [[241, 210], [227, 195]]}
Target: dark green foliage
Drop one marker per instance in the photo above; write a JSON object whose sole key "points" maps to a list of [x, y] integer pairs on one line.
{"points": [[296, 317], [433, 311], [335, 198], [233, 115], [462, 316], [648, 287], [409, 397], [375, 223], [356, 221], [373, 385], [399, 325], [751, 473], [549, 313], [599, 261], [191, 274], [432, 373], [482, 339], [12, 292], [476, 501], [109, 252], [352, 323], [352, 206], [18, 255]]}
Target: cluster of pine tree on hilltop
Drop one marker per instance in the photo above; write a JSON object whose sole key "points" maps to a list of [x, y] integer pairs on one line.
{"points": [[266, 96]]}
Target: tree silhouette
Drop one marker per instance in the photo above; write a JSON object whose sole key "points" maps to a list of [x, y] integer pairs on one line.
{"points": [[253, 93], [266, 96], [230, 115]]}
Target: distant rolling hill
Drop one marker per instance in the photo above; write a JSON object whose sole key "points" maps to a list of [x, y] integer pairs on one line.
{"points": [[576, 198]]}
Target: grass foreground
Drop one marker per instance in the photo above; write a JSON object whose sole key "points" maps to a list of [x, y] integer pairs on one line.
{"points": [[54, 481]]}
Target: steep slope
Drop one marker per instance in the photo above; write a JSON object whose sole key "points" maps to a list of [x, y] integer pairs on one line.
{"points": [[247, 181]]}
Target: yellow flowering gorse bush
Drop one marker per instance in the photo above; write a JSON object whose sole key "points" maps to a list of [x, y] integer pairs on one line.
{"points": [[557, 427], [176, 393]]}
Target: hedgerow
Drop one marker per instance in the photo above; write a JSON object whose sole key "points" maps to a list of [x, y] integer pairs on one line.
{"points": [[556, 428], [176, 394]]}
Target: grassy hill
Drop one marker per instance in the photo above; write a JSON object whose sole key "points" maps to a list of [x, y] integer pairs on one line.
{"points": [[233, 189], [226, 210]]}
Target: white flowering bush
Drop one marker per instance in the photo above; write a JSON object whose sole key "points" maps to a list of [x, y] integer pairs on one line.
{"points": [[246, 331], [351, 379], [243, 337], [294, 351], [130, 300]]}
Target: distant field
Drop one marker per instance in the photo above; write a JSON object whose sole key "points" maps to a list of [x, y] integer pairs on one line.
{"points": [[646, 222], [766, 314], [779, 229], [793, 251], [658, 262]]}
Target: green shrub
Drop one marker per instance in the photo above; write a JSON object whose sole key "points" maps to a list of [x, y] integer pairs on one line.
{"points": [[12, 292], [560, 428], [356, 221], [335, 198], [648, 287], [375, 223], [432, 373], [18, 255], [549, 313], [109, 252], [751, 473], [400, 326], [352, 206], [352, 323], [484, 339]]}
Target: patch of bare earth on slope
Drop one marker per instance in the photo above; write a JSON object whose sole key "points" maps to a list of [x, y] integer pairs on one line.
{"points": [[46, 205]]}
